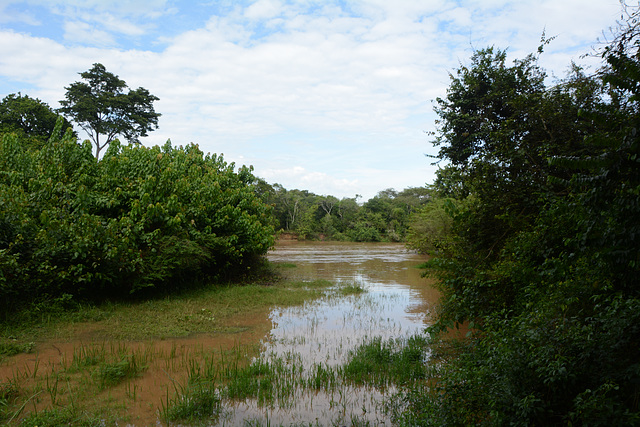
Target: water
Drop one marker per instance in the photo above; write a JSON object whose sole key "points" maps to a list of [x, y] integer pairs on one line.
{"points": [[396, 304]]}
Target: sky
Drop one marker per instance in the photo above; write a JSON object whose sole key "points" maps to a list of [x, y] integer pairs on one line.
{"points": [[335, 97]]}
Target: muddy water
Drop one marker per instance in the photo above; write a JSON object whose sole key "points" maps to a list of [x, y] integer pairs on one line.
{"points": [[396, 304]]}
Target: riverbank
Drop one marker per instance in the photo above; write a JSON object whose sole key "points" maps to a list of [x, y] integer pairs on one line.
{"points": [[275, 353], [119, 362]]}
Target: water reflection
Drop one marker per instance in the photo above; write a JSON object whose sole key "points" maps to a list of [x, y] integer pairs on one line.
{"points": [[396, 304]]}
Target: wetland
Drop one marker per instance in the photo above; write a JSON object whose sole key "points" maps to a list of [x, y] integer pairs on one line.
{"points": [[289, 353]]}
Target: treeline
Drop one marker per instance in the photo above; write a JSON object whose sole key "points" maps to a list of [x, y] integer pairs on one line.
{"points": [[139, 221], [384, 217], [535, 238]]}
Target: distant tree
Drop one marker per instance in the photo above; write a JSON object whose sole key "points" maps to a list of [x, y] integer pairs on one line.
{"points": [[102, 107], [327, 204], [346, 212], [29, 117]]}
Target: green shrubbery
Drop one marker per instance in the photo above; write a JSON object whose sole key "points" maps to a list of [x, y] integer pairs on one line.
{"points": [[542, 254], [140, 219]]}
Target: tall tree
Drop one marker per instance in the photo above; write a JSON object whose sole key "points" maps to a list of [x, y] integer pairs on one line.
{"points": [[498, 126], [100, 106]]}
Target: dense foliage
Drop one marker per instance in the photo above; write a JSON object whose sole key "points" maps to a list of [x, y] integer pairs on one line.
{"points": [[542, 253], [310, 216], [30, 118], [139, 220]]}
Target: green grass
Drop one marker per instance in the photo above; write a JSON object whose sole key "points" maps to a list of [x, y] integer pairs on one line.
{"points": [[82, 384], [87, 356], [278, 381], [286, 265], [9, 392], [351, 289], [111, 374], [382, 363], [196, 402], [191, 312], [11, 348], [113, 357], [60, 417]]}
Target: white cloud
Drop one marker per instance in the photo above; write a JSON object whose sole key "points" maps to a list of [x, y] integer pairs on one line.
{"points": [[121, 7], [87, 34], [116, 24], [263, 9], [336, 100]]}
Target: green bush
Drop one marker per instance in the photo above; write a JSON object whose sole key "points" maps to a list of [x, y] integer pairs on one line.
{"points": [[139, 219], [543, 263]]}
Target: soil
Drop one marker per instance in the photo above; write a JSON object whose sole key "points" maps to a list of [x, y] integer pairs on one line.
{"points": [[138, 400]]}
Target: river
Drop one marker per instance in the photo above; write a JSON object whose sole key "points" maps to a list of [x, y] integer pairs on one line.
{"points": [[397, 303]]}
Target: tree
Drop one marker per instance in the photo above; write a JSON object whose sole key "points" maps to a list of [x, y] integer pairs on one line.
{"points": [[29, 117], [102, 107], [498, 126], [541, 255]]}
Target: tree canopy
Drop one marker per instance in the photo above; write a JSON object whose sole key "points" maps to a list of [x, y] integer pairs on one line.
{"points": [[535, 242], [29, 117], [102, 106], [382, 218], [140, 221]]}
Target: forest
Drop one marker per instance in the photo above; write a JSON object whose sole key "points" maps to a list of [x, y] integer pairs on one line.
{"points": [[305, 215], [142, 221]]}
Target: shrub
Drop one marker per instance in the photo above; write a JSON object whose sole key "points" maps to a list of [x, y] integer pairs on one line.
{"points": [[139, 219]]}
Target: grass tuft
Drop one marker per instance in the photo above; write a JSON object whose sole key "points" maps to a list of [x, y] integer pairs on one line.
{"points": [[61, 417], [87, 356], [351, 289], [111, 374], [11, 348], [8, 392], [198, 401], [384, 362]]}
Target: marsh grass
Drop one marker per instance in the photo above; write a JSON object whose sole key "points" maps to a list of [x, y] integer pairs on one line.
{"points": [[197, 401], [9, 392], [87, 356], [202, 310], [11, 348], [61, 416], [395, 361], [79, 391], [351, 289], [99, 379], [277, 381], [113, 373]]}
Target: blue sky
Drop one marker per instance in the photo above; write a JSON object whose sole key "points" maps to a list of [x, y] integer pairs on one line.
{"points": [[334, 97]]}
